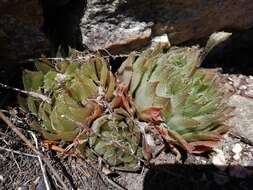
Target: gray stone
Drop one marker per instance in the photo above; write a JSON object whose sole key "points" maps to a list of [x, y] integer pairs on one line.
{"points": [[242, 121], [122, 25]]}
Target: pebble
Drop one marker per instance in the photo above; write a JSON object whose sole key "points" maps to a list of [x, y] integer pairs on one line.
{"points": [[241, 76], [237, 157], [236, 83], [1, 178], [249, 93], [237, 148], [161, 39], [230, 79], [249, 80], [243, 87], [219, 160]]}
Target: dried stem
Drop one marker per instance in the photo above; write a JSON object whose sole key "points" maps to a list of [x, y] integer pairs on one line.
{"points": [[43, 169], [33, 94], [18, 152]]}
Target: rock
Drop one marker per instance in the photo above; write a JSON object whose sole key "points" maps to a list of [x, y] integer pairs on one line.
{"points": [[117, 25], [219, 160], [236, 157], [20, 39], [1, 178], [242, 121], [124, 25], [20, 35], [163, 39], [237, 149], [249, 93]]}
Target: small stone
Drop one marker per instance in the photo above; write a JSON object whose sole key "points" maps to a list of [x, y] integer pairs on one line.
{"points": [[250, 86], [105, 170], [243, 87], [60, 78], [242, 121], [236, 83], [237, 156], [1, 178], [22, 188], [219, 160], [230, 78], [250, 164], [229, 87], [237, 148], [163, 39], [249, 80], [240, 76], [249, 93]]}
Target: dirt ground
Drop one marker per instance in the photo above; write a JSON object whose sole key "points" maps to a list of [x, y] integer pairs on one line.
{"points": [[20, 169]]}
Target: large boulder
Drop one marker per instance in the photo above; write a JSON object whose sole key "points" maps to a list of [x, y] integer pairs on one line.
{"points": [[121, 25], [20, 39], [20, 35], [117, 25]]}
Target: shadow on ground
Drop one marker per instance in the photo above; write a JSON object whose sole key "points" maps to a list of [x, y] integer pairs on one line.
{"points": [[198, 177]]}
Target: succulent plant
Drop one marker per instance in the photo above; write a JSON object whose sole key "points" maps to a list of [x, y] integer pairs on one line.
{"points": [[188, 102], [84, 103], [116, 139], [156, 97], [74, 90]]}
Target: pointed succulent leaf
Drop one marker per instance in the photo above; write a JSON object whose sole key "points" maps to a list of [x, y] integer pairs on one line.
{"points": [[44, 66], [215, 39], [32, 80]]}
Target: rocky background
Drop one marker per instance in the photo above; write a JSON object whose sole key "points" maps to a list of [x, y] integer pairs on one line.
{"points": [[118, 25], [126, 24], [20, 35]]}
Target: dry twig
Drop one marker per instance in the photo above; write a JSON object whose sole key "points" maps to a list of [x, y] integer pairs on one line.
{"points": [[43, 169], [18, 152], [33, 94]]}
